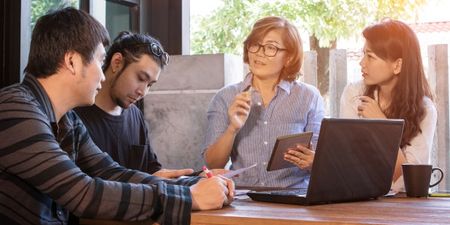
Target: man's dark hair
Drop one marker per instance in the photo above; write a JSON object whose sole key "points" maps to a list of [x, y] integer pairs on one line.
{"points": [[59, 32], [132, 46]]}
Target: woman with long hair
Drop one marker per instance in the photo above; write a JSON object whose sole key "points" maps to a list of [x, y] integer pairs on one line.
{"points": [[394, 86]]}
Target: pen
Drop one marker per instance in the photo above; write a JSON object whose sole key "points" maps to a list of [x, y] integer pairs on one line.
{"points": [[208, 173], [248, 92], [248, 89]]}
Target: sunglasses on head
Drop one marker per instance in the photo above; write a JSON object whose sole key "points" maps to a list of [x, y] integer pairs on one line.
{"points": [[157, 51]]}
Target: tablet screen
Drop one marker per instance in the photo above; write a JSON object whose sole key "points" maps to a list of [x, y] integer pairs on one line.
{"points": [[281, 146]]}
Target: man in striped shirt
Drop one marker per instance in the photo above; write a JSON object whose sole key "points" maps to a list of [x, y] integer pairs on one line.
{"points": [[49, 165]]}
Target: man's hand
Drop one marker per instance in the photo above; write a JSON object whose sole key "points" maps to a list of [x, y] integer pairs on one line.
{"points": [[215, 172], [169, 174], [212, 193]]}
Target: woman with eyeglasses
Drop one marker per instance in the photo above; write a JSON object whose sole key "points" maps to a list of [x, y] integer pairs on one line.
{"points": [[244, 119]]}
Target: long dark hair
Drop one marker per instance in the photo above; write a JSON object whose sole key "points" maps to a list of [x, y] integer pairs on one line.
{"points": [[391, 40]]}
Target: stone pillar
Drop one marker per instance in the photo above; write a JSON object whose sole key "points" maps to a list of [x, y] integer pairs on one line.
{"points": [[310, 68], [338, 79], [438, 78], [176, 105]]}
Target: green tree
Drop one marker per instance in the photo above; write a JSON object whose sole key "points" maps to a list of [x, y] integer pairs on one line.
{"points": [[225, 30], [40, 7], [326, 21]]}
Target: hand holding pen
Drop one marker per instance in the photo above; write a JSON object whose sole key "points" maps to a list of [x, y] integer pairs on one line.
{"points": [[212, 193], [239, 110], [207, 172]]}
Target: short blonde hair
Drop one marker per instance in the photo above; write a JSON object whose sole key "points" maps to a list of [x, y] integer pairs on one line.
{"points": [[291, 39]]}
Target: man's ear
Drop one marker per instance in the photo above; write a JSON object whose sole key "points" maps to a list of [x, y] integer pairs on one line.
{"points": [[69, 59], [397, 66], [116, 62]]}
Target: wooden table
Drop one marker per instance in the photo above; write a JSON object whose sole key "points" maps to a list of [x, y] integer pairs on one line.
{"points": [[398, 210], [390, 210]]}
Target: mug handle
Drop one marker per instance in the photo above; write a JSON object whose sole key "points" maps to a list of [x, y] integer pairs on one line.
{"points": [[440, 179]]}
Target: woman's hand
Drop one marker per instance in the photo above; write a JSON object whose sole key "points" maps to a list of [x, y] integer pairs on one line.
{"points": [[239, 110], [301, 156], [369, 108]]}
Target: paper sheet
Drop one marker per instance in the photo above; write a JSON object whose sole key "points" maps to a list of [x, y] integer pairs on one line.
{"points": [[239, 171]]}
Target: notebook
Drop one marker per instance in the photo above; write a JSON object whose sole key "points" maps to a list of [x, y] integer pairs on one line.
{"points": [[354, 161]]}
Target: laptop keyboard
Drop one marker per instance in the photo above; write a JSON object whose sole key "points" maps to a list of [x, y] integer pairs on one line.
{"points": [[301, 191]]}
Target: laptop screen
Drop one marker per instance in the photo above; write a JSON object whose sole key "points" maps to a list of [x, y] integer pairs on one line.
{"points": [[354, 160]]}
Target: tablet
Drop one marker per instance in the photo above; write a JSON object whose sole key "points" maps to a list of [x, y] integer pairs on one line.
{"points": [[281, 146]]}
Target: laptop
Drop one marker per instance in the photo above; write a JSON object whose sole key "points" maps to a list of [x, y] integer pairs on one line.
{"points": [[354, 161]]}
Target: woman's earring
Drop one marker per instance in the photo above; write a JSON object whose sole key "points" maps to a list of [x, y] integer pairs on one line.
{"points": [[287, 62]]}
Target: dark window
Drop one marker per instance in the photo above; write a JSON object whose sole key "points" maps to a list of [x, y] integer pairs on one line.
{"points": [[122, 15], [17, 21]]}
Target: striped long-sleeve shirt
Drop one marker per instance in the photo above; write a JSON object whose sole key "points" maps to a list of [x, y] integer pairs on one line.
{"points": [[48, 169]]}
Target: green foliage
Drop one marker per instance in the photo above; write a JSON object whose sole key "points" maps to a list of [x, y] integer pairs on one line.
{"points": [[331, 20], [224, 30], [40, 7], [397, 9]]}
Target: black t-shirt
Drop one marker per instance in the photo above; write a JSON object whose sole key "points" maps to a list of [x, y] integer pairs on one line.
{"points": [[124, 138]]}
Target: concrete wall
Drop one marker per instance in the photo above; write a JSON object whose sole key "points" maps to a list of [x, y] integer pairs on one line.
{"points": [[176, 106]]}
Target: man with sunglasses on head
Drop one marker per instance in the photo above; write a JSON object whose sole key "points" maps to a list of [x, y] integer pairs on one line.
{"points": [[133, 64]]}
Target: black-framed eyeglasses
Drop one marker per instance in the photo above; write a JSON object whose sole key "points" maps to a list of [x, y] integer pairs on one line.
{"points": [[269, 50]]}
